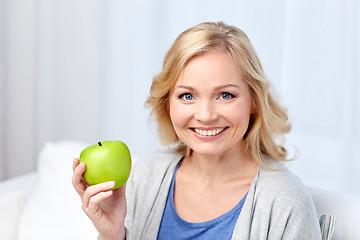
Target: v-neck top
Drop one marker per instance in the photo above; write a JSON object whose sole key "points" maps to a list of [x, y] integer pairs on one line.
{"points": [[174, 227]]}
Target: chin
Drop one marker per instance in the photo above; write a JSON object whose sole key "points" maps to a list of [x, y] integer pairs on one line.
{"points": [[207, 151]]}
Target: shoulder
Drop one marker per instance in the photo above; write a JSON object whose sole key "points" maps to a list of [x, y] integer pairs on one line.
{"points": [[149, 174], [282, 191], [287, 200], [160, 157], [282, 199], [157, 161], [281, 187], [281, 184], [152, 168]]}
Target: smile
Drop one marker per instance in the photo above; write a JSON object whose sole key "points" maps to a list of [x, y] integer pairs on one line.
{"points": [[211, 132]]}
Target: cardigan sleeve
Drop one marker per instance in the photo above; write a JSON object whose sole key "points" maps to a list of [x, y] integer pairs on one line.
{"points": [[293, 216], [278, 206], [286, 205]]}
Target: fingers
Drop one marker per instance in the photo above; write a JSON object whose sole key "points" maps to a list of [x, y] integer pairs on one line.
{"points": [[93, 195], [77, 179], [75, 163], [93, 207]]}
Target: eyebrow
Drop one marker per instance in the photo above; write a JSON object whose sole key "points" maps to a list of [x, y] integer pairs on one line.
{"points": [[217, 88]]}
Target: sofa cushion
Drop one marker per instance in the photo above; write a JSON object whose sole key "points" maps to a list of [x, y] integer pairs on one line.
{"points": [[13, 194], [53, 208]]}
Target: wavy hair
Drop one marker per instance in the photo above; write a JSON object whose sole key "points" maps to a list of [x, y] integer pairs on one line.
{"points": [[268, 123]]}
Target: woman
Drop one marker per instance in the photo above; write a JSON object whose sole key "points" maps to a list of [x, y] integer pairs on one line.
{"points": [[225, 177]]}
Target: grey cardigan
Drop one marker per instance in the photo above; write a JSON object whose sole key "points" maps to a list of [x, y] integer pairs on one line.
{"points": [[278, 206]]}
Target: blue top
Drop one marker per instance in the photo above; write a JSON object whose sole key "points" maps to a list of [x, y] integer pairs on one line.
{"points": [[174, 227]]}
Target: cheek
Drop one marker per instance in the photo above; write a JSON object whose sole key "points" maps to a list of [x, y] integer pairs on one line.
{"points": [[177, 115], [240, 114]]}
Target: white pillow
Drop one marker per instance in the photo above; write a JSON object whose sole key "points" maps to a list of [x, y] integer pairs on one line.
{"points": [[53, 209]]}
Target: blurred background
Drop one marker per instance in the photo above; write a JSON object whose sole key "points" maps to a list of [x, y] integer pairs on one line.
{"points": [[81, 70]]}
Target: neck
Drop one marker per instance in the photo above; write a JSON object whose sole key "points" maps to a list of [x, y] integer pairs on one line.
{"points": [[221, 167]]}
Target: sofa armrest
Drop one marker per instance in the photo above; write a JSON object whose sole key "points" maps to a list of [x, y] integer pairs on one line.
{"points": [[345, 208], [13, 194]]}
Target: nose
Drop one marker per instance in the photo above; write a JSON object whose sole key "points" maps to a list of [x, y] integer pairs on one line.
{"points": [[205, 111]]}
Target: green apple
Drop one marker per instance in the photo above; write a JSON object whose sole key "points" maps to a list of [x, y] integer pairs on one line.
{"points": [[106, 161]]}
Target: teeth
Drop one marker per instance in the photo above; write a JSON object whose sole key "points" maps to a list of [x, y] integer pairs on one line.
{"points": [[209, 132]]}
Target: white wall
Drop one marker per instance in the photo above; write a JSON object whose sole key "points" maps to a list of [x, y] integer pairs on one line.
{"points": [[309, 50], [18, 86], [320, 84], [82, 70], [50, 75]]}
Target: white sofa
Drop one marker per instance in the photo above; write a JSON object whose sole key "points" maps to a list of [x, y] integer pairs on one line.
{"points": [[43, 205]]}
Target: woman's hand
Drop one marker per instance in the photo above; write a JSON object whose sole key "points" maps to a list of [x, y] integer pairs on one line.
{"points": [[106, 208]]}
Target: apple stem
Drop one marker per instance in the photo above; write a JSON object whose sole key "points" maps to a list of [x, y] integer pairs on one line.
{"points": [[100, 144]]}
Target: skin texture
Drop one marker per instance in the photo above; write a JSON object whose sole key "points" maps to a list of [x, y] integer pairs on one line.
{"points": [[211, 95]]}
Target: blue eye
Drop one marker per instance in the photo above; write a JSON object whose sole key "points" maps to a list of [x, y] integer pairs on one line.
{"points": [[226, 95], [186, 96]]}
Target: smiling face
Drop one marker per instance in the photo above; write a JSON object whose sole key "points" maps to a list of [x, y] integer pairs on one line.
{"points": [[210, 105]]}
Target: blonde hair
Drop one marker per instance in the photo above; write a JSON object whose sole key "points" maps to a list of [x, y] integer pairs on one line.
{"points": [[270, 119]]}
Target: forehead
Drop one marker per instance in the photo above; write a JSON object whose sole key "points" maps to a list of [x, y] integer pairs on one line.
{"points": [[214, 67]]}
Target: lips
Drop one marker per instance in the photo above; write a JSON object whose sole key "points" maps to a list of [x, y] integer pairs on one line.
{"points": [[209, 132]]}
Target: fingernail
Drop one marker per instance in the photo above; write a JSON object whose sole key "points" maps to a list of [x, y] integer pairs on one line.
{"points": [[111, 184]]}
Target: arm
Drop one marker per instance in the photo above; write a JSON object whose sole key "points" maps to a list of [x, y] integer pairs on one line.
{"points": [[295, 218]]}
